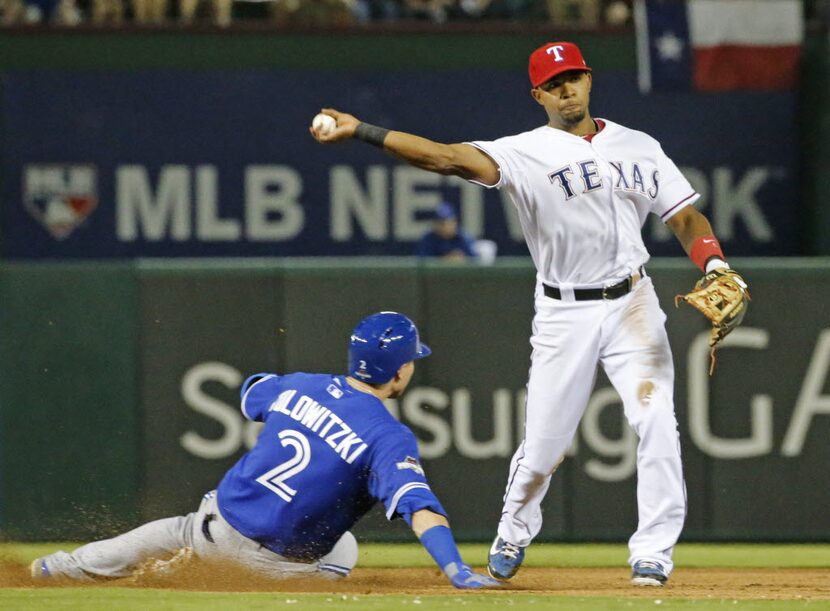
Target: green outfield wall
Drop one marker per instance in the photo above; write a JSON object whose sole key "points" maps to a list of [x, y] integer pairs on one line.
{"points": [[119, 392], [69, 450]]}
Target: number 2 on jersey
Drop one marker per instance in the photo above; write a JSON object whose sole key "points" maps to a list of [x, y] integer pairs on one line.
{"points": [[274, 479]]}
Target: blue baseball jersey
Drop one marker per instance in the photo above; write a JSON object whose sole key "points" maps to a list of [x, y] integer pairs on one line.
{"points": [[433, 245], [327, 453]]}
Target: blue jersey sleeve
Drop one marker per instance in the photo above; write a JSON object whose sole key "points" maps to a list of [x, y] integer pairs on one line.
{"points": [[397, 478], [257, 394]]}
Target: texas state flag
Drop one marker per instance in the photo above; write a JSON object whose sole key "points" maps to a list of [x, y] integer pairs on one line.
{"points": [[718, 45]]}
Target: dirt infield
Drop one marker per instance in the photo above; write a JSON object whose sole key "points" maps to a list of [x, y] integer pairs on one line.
{"points": [[759, 584]]}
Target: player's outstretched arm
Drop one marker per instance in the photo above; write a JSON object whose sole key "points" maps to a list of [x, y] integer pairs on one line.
{"points": [[462, 160], [434, 532]]}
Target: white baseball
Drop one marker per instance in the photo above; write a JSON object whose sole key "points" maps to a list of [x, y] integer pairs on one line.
{"points": [[323, 124]]}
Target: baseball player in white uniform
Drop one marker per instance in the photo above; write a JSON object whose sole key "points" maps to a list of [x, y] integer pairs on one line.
{"points": [[583, 188]]}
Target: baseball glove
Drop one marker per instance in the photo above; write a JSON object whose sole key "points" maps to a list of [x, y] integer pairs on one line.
{"points": [[723, 297]]}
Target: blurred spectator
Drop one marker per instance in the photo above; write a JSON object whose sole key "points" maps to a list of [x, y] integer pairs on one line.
{"points": [[338, 13], [384, 10], [432, 10], [220, 11], [67, 13], [585, 13], [497, 9], [149, 12], [446, 239], [107, 11], [473, 8], [29, 12], [618, 13], [319, 12], [14, 11]]}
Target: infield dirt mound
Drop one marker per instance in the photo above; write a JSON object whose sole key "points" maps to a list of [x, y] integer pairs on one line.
{"points": [[759, 584]]}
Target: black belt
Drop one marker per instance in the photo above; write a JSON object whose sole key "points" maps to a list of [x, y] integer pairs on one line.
{"points": [[608, 292], [206, 526]]}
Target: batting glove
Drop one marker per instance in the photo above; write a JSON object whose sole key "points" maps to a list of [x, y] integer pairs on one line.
{"points": [[464, 578]]}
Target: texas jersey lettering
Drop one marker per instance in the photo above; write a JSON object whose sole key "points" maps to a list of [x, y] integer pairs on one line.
{"points": [[599, 202]]}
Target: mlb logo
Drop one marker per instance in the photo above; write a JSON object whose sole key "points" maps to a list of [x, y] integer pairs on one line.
{"points": [[411, 463], [60, 196], [334, 391]]}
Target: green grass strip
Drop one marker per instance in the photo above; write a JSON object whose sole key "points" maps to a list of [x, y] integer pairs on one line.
{"points": [[108, 599], [379, 555]]}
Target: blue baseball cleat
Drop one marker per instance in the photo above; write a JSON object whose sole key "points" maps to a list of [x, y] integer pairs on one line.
{"points": [[648, 573], [505, 559]]}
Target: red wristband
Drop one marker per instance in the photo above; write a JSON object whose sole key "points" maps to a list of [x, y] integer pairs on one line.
{"points": [[705, 248]]}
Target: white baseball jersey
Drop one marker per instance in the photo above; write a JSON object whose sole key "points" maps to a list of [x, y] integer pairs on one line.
{"points": [[582, 203]]}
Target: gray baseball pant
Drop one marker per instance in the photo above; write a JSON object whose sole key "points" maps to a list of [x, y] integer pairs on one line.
{"points": [[121, 555]]}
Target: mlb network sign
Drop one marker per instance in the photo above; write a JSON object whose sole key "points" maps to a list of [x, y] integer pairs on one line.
{"points": [[190, 210], [190, 175]]}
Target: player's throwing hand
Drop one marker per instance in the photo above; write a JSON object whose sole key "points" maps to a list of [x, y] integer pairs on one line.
{"points": [[343, 130]]}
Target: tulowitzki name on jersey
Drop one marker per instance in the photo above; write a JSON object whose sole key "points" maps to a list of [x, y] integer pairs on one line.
{"points": [[320, 420]]}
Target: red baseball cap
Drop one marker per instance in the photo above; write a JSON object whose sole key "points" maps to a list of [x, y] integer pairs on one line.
{"points": [[553, 58]]}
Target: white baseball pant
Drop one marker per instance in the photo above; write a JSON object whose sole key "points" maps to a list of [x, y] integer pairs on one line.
{"points": [[628, 338]]}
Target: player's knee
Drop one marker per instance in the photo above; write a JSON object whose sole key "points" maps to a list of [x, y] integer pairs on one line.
{"points": [[541, 466], [340, 561], [650, 403], [534, 478]]}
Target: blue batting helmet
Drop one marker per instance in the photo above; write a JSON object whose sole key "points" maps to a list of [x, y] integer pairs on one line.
{"points": [[381, 344]]}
